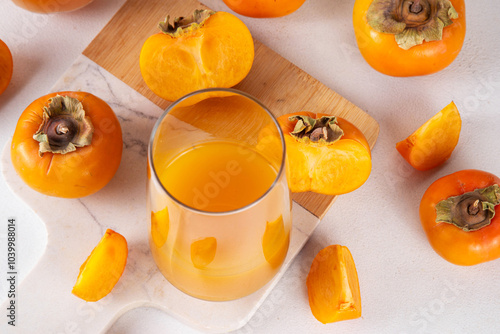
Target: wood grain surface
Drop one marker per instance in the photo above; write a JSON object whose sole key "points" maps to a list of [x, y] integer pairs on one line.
{"points": [[276, 82]]}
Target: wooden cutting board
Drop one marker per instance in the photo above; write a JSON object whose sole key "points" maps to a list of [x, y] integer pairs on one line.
{"points": [[276, 82]]}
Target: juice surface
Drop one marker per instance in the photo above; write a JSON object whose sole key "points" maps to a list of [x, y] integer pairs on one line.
{"points": [[218, 176]]}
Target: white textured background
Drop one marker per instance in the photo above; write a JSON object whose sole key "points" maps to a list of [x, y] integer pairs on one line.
{"points": [[405, 286]]}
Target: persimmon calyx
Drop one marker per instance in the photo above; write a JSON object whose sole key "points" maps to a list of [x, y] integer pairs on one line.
{"points": [[411, 21], [64, 126], [183, 25], [322, 131], [470, 211]]}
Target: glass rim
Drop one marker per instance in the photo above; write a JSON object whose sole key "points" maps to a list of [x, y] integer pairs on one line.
{"points": [[201, 91]]}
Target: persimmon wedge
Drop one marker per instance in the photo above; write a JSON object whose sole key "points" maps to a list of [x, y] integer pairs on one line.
{"points": [[326, 154], [432, 144], [333, 285], [103, 268]]}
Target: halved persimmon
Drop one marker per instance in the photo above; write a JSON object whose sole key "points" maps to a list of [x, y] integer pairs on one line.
{"points": [[333, 285], [6, 66], [103, 268], [326, 154], [209, 49], [432, 144]]}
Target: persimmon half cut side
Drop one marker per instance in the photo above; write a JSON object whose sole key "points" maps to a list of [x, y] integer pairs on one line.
{"points": [[333, 285], [330, 168], [103, 268], [210, 49], [6, 66], [433, 142]]}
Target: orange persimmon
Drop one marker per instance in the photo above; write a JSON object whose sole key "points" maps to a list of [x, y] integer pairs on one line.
{"points": [[432, 143], [103, 268], [333, 286], [51, 6], [409, 37], [67, 144], [329, 157], [6, 66], [264, 8], [209, 49], [461, 217]]}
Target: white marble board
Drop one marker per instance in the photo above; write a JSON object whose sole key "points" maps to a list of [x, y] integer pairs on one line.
{"points": [[75, 226]]}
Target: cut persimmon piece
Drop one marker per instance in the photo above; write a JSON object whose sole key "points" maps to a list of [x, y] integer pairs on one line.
{"points": [[208, 49], [326, 154], [6, 66], [333, 286], [275, 242], [103, 268], [160, 224], [203, 252], [432, 144]]}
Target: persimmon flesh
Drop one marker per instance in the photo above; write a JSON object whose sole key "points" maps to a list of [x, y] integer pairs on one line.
{"points": [[264, 8], [103, 268], [333, 285], [6, 66], [432, 144], [333, 168], [210, 49], [51, 6]]}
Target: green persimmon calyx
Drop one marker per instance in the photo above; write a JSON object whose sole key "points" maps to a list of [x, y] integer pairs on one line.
{"points": [[470, 211], [64, 126], [411, 21], [183, 25], [322, 131]]}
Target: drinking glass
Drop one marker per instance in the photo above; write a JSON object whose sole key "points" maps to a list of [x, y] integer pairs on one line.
{"points": [[218, 195]]}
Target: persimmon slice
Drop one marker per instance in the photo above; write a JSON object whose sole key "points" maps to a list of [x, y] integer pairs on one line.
{"points": [[6, 66], [432, 144], [333, 286], [103, 268]]}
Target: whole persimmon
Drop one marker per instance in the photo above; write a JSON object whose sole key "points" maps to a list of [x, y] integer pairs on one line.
{"points": [[264, 8], [51, 6], [409, 37], [67, 144], [208, 49], [6, 66], [460, 215], [326, 154]]}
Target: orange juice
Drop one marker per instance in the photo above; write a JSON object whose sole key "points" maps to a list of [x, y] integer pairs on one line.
{"points": [[238, 235]]}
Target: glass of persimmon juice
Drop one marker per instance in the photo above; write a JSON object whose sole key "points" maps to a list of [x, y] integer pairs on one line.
{"points": [[218, 195]]}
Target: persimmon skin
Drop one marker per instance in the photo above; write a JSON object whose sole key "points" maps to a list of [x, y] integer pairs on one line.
{"points": [[75, 174], [264, 8], [384, 55], [103, 268], [320, 169], [6, 66], [51, 6], [220, 53], [450, 242]]}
